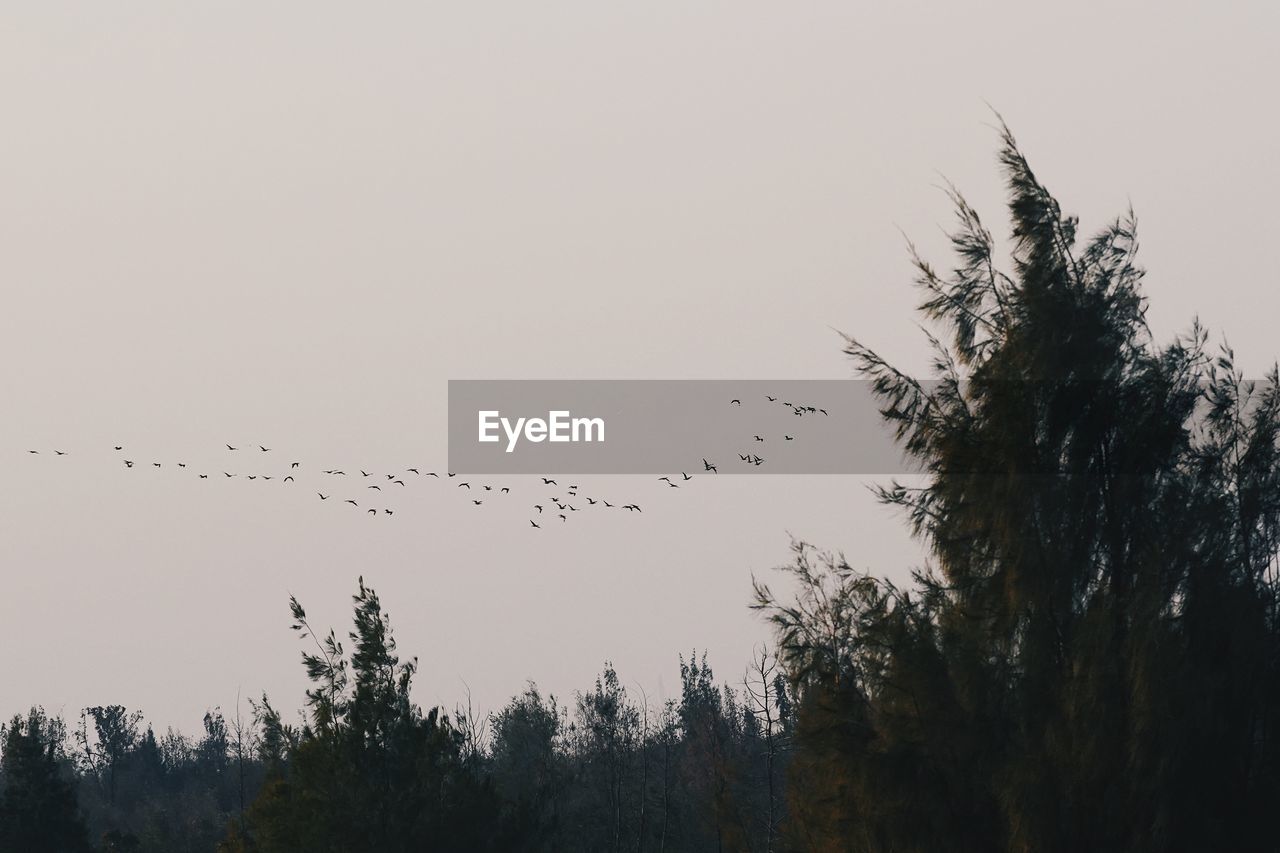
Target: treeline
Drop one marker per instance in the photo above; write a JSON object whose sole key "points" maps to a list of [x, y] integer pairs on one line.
{"points": [[368, 770]]}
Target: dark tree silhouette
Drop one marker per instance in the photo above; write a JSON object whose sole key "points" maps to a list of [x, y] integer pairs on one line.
{"points": [[1089, 660], [38, 811]]}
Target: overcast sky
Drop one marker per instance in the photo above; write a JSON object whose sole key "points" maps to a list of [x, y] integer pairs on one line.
{"points": [[290, 224]]}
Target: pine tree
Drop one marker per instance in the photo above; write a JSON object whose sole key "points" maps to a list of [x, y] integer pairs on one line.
{"points": [[1089, 660]]}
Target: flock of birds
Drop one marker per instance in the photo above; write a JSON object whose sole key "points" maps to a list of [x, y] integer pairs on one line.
{"points": [[551, 501]]}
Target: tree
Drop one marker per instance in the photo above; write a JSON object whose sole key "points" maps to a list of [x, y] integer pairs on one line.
{"points": [[38, 812], [1089, 660], [370, 771]]}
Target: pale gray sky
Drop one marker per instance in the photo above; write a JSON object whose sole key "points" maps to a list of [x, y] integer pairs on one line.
{"points": [[291, 223]]}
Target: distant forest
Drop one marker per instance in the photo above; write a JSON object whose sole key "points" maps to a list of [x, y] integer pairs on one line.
{"points": [[1087, 661]]}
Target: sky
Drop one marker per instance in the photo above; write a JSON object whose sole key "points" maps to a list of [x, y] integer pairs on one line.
{"points": [[290, 224]]}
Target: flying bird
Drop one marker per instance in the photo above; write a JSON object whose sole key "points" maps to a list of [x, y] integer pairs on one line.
{"points": [[771, 399], [119, 448], [323, 497], [128, 464], [538, 508], [708, 466], [264, 449], [534, 523], [229, 447], [288, 479], [789, 437], [506, 491], [379, 488], [735, 402], [414, 470], [545, 481], [353, 503], [293, 465], [477, 503], [460, 485], [686, 476]]}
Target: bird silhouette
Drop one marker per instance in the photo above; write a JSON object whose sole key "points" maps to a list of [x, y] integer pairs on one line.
{"points": [[735, 402], [538, 508], [293, 465], [771, 399], [414, 470], [562, 518], [477, 503], [119, 448], [534, 523], [388, 512], [288, 479], [323, 497], [229, 447], [353, 503], [128, 464], [545, 481], [506, 491], [59, 453], [264, 449], [373, 512], [708, 466], [460, 485], [686, 476], [758, 438], [379, 488], [225, 474], [204, 476]]}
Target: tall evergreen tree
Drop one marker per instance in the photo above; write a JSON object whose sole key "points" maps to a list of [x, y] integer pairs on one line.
{"points": [[1089, 660]]}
